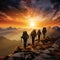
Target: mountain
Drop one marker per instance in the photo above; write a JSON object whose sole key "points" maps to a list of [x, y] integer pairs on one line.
{"points": [[1, 29], [3, 38], [10, 28], [56, 28], [7, 46], [53, 31]]}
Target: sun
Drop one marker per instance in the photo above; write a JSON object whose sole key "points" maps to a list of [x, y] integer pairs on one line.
{"points": [[32, 24]]}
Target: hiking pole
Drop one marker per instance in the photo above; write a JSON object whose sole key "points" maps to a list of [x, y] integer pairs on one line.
{"points": [[21, 42]]}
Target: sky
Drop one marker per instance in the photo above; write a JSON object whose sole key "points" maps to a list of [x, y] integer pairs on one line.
{"points": [[29, 13]]}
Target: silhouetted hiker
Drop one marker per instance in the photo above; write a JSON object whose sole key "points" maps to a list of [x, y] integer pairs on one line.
{"points": [[44, 32], [39, 34], [25, 37], [33, 35]]}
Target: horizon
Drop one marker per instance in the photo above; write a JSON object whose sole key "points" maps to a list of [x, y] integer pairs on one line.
{"points": [[30, 27]]}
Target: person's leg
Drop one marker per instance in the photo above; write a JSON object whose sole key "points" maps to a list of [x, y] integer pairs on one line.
{"points": [[39, 38], [33, 41], [24, 44], [44, 36]]}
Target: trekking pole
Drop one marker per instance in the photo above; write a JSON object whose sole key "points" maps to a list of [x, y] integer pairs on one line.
{"points": [[21, 42]]}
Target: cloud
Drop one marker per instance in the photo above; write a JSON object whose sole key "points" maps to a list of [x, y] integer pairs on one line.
{"points": [[5, 3], [15, 11]]}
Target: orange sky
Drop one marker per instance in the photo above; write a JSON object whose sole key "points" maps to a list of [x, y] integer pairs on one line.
{"points": [[24, 19], [28, 14], [24, 24]]}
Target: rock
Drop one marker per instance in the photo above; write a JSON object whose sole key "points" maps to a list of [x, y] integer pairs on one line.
{"points": [[18, 54], [46, 51]]}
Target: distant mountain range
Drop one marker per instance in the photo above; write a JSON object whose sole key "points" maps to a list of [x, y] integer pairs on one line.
{"points": [[56, 28], [9, 28]]}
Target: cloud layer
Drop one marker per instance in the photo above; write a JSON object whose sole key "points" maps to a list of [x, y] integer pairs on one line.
{"points": [[14, 12]]}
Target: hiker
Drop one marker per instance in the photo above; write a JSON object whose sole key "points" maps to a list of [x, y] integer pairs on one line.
{"points": [[44, 32], [33, 35], [39, 35], [25, 37]]}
